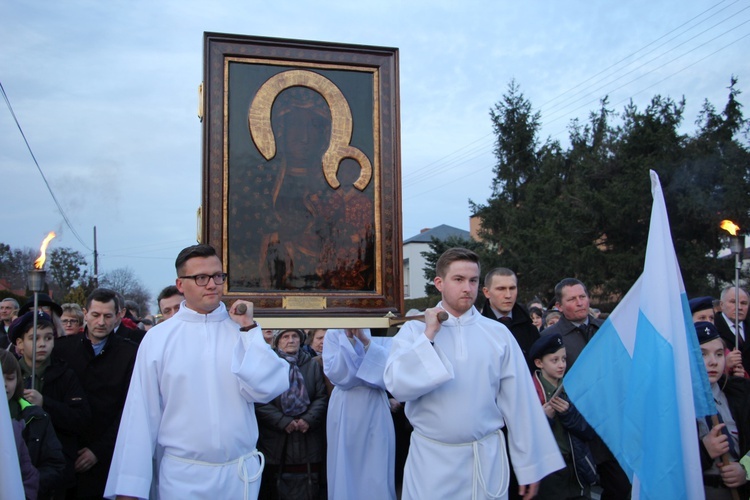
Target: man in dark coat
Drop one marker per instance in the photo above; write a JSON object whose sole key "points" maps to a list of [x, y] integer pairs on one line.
{"points": [[724, 322], [501, 291], [104, 364], [577, 327]]}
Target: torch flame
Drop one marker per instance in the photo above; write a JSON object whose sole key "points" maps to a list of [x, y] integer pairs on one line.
{"points": [[39, 263], [730, 227]]}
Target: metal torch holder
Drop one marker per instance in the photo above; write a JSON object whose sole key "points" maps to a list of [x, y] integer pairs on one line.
{"points": [[36, 285], [736, 244]]}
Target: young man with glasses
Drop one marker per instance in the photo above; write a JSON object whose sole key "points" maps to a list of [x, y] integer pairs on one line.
{"points": [[190, 400]]}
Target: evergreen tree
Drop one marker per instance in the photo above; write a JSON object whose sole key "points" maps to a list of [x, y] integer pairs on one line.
{"points": [[584, 212]]}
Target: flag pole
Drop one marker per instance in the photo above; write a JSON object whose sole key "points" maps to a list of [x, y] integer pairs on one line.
{"points": [[737, 266], [725, 458]]}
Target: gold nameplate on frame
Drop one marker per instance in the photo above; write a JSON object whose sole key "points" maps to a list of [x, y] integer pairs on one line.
{"points": [[304, 302]]}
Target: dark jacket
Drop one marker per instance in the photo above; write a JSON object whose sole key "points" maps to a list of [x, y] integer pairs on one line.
{"points": [[737, 391], [726, 333], [45, 449], [66, 403], [579, 434], [133, 334], [105, 379], [4, 339], [300, 448], [29, 473], [573, 338], [521, 327]]}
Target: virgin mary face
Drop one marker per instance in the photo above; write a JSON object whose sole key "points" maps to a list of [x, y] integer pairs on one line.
{"points": [[302, 127]]}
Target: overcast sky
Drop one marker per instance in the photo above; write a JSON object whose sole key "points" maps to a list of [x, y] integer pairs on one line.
{"points": [[106, 94]]}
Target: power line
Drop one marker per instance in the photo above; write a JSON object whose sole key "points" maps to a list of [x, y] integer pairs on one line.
{"points": [[415, 172], [44, 178], [639, 50], [151, 245], [662, 66], [612, 82], [467, 156]]}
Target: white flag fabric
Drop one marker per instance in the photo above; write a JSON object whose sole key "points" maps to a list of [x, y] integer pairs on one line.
{"points": [[640, 381]]}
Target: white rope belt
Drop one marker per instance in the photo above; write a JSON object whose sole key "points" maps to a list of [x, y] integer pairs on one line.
{"points": [[241, 471], [478, 476]]}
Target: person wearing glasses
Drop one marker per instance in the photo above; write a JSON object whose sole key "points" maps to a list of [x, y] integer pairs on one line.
{"points": [[71, 319], [190, 404]]}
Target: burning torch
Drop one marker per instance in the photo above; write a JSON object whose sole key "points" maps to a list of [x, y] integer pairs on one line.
{"points": [[36, 285], [736, 244]]}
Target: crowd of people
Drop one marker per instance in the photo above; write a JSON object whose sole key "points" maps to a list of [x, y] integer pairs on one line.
{"points": [[210, 404]]}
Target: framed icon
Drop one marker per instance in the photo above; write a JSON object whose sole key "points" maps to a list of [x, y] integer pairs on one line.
{"points": [[301, 174]]}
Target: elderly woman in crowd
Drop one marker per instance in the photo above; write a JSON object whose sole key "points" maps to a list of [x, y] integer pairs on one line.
{"points": [[71, 319], [292, 426]]}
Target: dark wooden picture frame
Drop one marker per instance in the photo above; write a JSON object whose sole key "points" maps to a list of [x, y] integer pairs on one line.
{"points": [[301, 174]]}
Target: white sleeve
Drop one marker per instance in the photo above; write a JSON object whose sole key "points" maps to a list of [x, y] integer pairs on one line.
{"points": [[131, 471], [533, 450], [373, 365], [261, 373], [414, 366], [341, 359]]}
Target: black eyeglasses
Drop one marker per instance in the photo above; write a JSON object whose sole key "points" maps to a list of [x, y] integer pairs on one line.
{"points": [[69, 321], [202, 279]]}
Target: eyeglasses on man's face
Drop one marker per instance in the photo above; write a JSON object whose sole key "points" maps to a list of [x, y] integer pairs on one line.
{"points": [[69, 321], [202, 279]]}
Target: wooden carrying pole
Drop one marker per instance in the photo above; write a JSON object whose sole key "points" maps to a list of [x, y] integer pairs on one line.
{"points": [[725, 458], [442, 316]]}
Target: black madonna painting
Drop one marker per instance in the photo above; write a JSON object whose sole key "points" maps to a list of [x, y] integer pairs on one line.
{"points": [[307, 170]]}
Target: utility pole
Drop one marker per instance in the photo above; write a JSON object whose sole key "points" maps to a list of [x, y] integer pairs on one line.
{"points": [[96, 262]]}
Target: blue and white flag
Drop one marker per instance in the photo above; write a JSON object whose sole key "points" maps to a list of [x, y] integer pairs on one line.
{"points": [[641, 382]]}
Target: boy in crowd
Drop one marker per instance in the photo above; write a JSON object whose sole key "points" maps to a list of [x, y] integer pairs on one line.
{"points": [[570, 429], [55, 387]]}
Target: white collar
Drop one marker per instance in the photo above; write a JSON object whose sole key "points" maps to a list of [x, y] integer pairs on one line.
{"points": [[187, 314]]}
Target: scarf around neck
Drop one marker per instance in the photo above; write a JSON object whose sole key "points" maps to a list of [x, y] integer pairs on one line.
{"points": [[294, 401]]}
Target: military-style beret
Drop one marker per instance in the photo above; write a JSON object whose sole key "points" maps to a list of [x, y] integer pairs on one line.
{"points": [[701, 304], [546, 344], [22, 324], [706, 332]]}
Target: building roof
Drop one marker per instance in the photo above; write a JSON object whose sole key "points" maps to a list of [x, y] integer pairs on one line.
{"points": [[440, 232]]}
